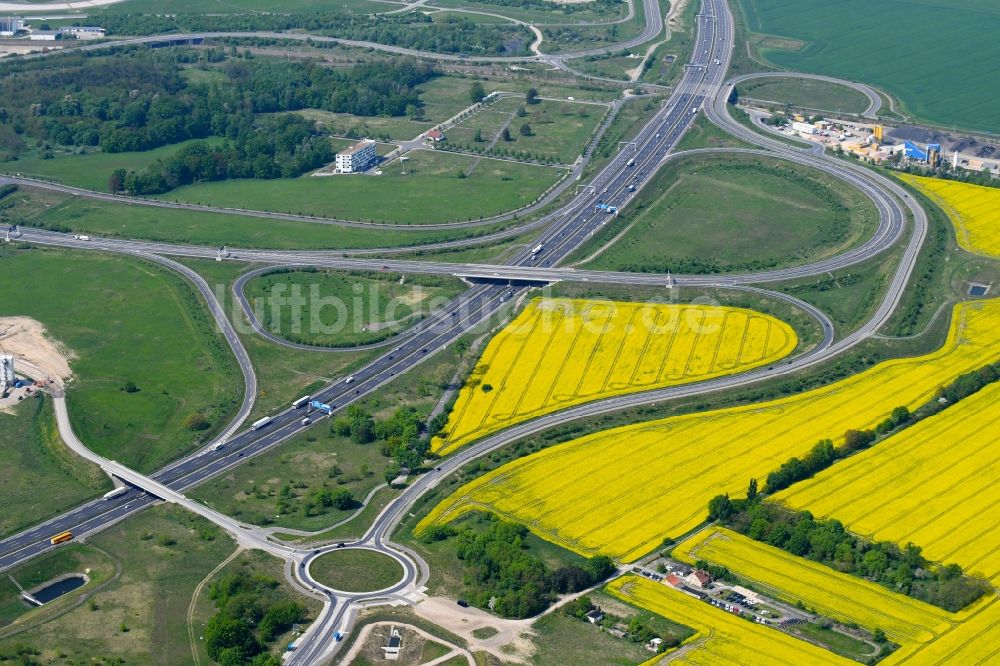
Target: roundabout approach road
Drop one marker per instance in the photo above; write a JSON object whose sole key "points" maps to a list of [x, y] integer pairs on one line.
{"points": [[701, 87]]}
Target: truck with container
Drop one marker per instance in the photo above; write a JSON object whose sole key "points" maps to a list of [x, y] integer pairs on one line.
{"points": [[260, 423], [301, 401], [117, 492], [62, 537], [631, 162], [535, 251]]}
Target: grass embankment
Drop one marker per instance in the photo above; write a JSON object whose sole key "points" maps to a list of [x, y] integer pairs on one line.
{"points": [[356, 570], [806, 94], [33, 456], [431, 187], [328, 308], [120, 220], [126, 321], [725, 213]]}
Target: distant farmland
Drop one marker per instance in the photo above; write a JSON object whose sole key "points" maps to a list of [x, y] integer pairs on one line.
{"points": [[934, 55]]}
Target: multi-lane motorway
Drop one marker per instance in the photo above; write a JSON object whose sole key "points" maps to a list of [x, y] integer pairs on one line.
{"points": [[702, 87]]}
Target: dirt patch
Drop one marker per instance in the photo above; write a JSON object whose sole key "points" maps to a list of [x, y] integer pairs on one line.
{"points": [[510, 640], [24, 338], [35, 355]]}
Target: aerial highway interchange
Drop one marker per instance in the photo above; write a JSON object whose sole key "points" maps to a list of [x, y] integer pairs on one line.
{"points": [[702, 89]]}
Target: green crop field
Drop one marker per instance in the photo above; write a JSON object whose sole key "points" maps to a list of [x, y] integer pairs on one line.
{"points": [[726, 214], [932, 55], [123, 321], [329, 308], [32, 456], [806, 93], [356, 570], [431, 190]]}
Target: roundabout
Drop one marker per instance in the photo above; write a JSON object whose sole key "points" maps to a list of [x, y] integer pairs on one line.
{"points": [[357, 570]]}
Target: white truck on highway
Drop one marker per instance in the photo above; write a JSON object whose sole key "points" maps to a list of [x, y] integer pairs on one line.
{"points": [[117, 492], [535, 251], [301, 401], [260, 423]]}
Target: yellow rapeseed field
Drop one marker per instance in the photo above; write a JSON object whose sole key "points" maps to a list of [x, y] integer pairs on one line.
{"points": [[836, 595], [974, 209], [562, 352], [934, 484], [623, 490], [722, 639]]}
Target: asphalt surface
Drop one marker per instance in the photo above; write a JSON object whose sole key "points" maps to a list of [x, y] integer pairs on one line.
{"points": [[702, 86]]}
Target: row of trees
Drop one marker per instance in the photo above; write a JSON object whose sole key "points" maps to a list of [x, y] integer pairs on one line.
{"points": [[824, 453], [506, 577], [904, 570]]}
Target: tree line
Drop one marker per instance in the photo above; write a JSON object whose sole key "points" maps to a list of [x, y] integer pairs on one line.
{"points": [[903, 570], [824, 453]]}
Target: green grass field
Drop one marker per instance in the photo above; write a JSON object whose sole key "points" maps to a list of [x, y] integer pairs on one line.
{"points": [[306, 464], [140, 614], [706, 134], [92, 170], [727, 214], [806, 93], [927, 54], [590, 13], [560, 130], [431, 190], [32, 456], [127, 321], [120, 220], [329, 308], [356, 570]]}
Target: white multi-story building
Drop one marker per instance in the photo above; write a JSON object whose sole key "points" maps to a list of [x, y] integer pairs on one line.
{"points": [[357, 158]]}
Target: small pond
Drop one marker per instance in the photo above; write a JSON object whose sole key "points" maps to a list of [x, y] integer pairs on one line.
{"points": [[59, 587]]}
